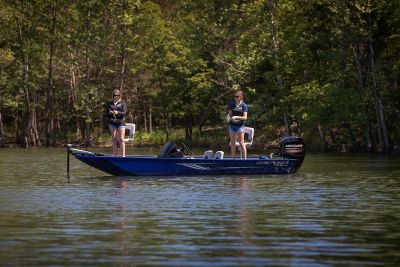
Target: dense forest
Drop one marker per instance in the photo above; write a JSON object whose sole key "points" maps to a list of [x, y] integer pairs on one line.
{"points": [[327, 70]]}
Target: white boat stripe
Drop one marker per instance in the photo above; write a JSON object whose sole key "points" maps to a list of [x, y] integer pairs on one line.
{"points": [[194, 166]]}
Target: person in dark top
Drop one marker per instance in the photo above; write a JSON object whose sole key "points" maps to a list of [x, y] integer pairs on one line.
{"points": [[237, 115], [116, 111]]}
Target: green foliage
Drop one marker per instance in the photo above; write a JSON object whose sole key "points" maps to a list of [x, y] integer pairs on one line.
{"points": [[324, 63], [158, 137]]}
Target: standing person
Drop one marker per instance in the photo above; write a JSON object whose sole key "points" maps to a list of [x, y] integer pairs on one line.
{"points": [[237, 115], [116, 109]]}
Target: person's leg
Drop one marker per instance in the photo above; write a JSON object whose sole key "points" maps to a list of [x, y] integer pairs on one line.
{"points": [[243, 148], [232, 142], [121, 137], [114, 139]]}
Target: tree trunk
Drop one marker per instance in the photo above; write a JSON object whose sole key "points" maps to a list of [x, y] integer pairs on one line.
{"points": [[151, 118], [72, 100], [87, 29], [286, 122], [88, 134], [275, 42], [322, 137], [50, 122], [2, 141], [382, 130], [30, 133], [122, 68], [166, 116], [123, 51], [188, 127], [145, 120], [368, 140]]}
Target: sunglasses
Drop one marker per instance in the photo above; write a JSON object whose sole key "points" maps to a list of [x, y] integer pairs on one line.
{"points": [[116, 95], [237, 96]]}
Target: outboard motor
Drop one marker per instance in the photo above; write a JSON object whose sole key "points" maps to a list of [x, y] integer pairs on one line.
{"points": [[169, 150], [292, 147]]}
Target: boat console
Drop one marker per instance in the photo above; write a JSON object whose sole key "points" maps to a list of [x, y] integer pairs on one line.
{"points": [[170, 150]]}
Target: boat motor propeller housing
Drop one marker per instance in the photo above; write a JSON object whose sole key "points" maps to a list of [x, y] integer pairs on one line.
{"points": [[292, 147]]}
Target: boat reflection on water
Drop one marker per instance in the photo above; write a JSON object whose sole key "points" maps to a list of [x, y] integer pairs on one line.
{"points": [[172, 222]]}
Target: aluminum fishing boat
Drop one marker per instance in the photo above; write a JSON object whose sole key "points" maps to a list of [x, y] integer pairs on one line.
{"points": [[173, 162]]}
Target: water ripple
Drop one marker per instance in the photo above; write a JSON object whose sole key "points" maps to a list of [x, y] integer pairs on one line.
{"points": [[338, 211]]}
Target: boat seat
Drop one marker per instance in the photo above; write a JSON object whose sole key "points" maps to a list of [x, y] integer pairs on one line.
{"points": [[208, 154], [130, 129], [248, 138], [219, 155]]}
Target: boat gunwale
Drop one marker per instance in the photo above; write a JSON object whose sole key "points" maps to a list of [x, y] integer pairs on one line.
{"points": [[197, 158]]}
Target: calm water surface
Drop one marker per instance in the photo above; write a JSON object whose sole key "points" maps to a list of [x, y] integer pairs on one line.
{"points": [[339, 210]]}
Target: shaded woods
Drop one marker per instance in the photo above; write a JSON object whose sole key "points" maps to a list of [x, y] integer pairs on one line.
{"points": [[324, 69]]}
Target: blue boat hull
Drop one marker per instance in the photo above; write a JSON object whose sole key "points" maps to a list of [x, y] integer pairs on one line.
{"points": [[155, 166]]}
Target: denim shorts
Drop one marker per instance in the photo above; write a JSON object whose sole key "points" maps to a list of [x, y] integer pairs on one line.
{"points": [[236, 128], [116, 126]]}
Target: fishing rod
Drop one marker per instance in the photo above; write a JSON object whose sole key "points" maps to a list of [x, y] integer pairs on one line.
{"points": [[188, 147]]}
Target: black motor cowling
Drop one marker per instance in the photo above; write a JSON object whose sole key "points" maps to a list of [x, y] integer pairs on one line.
{"points": [[292, 147], [170, 150]]}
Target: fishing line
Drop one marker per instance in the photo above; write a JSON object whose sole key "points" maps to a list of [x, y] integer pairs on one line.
{"points": [[188, 147]]}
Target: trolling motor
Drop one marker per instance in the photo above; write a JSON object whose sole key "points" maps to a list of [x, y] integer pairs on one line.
{"points": [[68, 146], [72, 150], [292, 147]]}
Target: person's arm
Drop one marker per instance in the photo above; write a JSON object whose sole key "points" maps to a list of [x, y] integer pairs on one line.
{"points": [[241, 118], [123, 112], [244, 115], [109, 110]]}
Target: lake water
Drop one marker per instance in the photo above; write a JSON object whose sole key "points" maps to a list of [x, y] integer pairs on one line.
{"points": [[338, 210]]}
